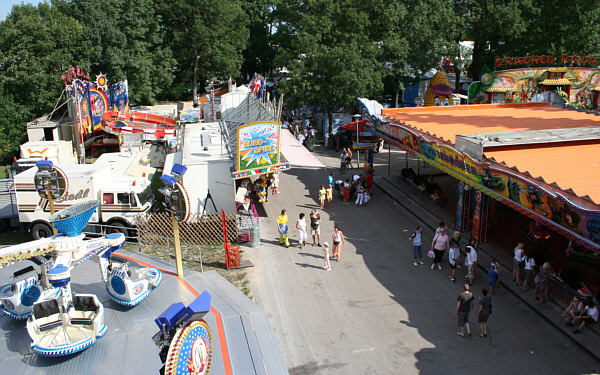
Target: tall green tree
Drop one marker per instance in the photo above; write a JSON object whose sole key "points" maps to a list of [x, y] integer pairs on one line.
{"points": [[206, 37], [37, 44], [125, 40], [325, 45], [260, 51]]}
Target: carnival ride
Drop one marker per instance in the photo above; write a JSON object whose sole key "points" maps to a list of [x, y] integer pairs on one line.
{"points": [[59, 323], [184, 338], [116, 123]]}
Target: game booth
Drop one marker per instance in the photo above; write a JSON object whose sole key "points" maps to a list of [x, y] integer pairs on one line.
{"points": [[533, 158]]}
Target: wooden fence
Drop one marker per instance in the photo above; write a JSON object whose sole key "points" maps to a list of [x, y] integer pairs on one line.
{"points": [[198, 230]]}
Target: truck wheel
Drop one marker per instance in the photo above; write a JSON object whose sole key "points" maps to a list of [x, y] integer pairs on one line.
{"points": [[40, 230], [3, 226], [118, 227]]}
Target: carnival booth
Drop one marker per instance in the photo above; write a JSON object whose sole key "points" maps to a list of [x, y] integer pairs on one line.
{"points": [[534, 158]]}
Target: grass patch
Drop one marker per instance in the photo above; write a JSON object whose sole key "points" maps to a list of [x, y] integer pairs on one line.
{"points": [[213, 258], [13, 236]]}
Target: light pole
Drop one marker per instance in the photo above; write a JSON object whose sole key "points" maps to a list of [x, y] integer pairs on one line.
{"points": [[175, 205], [356, 118]]}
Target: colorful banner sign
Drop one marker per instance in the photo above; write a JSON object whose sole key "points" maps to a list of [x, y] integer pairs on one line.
{"points": [[547, 59], [480, 216], [258, 145], [463, 207], [566, 213], [520, 85]]}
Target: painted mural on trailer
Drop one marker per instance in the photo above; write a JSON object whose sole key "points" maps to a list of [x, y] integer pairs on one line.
{"points": [[91, 100], [577, 215], [575, 86]]}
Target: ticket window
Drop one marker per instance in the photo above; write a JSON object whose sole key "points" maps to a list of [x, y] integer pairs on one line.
{"points": [[108, 198]]}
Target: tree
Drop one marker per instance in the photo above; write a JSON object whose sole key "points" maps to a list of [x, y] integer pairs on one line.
{"points": [[125, 39], [37, 44], [206, 37], [259, 53], [326, 47]]}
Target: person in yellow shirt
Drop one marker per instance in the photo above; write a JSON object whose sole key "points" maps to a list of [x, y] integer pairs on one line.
{"points": [[329, 195], [282, 227], [322, 195]]}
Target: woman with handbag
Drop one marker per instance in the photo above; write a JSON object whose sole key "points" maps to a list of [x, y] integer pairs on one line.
{"points": [[440, 244]]}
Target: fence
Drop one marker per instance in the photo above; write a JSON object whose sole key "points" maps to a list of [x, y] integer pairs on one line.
{"points": [[204, 229]]}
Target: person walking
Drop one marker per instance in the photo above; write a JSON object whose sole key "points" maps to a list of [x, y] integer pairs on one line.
{"points": [[441, 226], [439, 245], [359, 194], [541, 289], [343, 161], [529, 269], [471, 263], [330, 179], [282, 227], [327, 265], [315, 226], [453, 255], [417, 242], [346, 191], [275, 183], [330, 195], [301, 226], [463, 308], [349, 158], [485, 309], [518, 254], [322, 195], [338, 242], [493, 275]]}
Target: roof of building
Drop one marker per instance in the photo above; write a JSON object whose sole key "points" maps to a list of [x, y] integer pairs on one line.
{"points": [[570, 165], [556, 82]]}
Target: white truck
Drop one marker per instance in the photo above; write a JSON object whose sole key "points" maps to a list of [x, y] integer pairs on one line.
{"points": [[59, 152], [122, 188]]}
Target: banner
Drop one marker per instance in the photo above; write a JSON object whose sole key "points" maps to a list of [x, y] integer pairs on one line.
{"points": [[258, 145], [480, 216], [463, 207]]}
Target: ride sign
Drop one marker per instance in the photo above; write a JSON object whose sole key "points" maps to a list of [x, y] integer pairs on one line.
{"points": [[258, 145]]}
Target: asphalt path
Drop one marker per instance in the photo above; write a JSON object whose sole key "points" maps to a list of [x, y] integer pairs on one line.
{"points": [[375, 312]]}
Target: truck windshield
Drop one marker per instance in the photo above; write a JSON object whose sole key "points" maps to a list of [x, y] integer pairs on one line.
{"points": [[146, 196]]}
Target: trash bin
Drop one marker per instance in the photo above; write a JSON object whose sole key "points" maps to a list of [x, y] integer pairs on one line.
{"points": [[255, 237]]}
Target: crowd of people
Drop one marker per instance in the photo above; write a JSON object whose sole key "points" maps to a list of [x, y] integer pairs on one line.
{"points": [[337, 235], [526, 274]]}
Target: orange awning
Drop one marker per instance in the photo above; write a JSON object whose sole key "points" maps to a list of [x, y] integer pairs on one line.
{"points": [[570, 166]]}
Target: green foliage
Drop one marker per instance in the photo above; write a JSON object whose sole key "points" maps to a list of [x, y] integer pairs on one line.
{"points": [[126, 41], [206, 37]]}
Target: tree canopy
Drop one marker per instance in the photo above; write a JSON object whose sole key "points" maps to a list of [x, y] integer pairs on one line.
{"points": [[325, 52]]}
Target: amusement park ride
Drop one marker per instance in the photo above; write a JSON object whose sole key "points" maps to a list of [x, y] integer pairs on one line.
{"points": [[58, 322]]}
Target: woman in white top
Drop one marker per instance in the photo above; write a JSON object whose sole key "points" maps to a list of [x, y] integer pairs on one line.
{"points": [[301, 226], [529, 268], [517, 258]]}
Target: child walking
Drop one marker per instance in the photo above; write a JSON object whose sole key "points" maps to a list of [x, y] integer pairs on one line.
{"points": [[327, 266], [322, 195]]}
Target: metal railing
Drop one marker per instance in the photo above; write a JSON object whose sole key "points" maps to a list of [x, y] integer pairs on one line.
{"points": [[133, 237]]}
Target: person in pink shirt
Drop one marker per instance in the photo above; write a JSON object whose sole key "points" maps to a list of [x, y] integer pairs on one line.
{"points": [[441, 243]]}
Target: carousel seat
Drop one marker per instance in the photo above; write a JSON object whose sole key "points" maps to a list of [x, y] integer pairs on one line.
{"points": [[48, 314], [84, 310]]}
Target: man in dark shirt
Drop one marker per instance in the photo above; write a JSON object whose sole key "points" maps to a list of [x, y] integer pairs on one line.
{"points": [[463, 308]]}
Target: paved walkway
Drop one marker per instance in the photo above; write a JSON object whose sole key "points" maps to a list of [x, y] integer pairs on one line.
{"points": [[431, 213], [376, 313]]}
